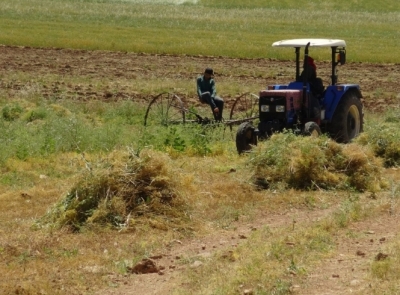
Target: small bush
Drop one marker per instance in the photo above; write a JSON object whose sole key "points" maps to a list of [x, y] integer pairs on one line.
{"points": [[39, 113], [200, 142], [174, 140]]}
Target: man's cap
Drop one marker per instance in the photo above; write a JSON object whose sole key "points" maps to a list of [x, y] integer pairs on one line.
{"points": [[310, 62], [209, 71]]}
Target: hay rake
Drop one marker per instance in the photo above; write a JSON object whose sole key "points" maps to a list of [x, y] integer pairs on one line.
{"points": [[169, 109]]}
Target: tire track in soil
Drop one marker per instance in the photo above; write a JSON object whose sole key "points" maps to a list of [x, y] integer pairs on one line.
{"points": [[348, 272], [203, 248]]}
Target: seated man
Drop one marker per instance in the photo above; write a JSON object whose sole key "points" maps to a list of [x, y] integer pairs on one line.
{"points": [[309, 73], [207, 93]]}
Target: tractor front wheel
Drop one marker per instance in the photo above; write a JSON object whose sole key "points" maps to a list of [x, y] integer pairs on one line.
{"points": [[347, 121], [245, 137]]}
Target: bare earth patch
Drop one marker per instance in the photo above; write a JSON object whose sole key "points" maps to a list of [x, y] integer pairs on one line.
{"points": [[169, 260], [347, 271]]}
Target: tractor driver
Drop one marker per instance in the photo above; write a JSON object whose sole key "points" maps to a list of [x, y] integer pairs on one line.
{"points": [[207, 93], [309, 73]]}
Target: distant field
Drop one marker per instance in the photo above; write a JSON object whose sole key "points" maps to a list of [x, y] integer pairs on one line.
{"points": [[218, 28]]}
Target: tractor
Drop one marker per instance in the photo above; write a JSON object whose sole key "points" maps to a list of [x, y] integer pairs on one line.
{"points": [[305, 105]]}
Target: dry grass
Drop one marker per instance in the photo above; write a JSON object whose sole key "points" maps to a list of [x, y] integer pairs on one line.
{"points": [[315, 163], [122, 193], [203, 194], [383, 137], [274, 259], [43, 255]]}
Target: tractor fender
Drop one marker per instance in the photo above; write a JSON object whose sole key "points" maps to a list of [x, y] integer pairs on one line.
{"points": [[334, 94]]}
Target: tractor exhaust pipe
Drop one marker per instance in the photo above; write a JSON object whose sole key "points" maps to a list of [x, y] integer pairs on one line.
{"points": [[306, 69]]}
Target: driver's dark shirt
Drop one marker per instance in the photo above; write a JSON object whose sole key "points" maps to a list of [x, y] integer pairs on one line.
{"points": [[204, 85]]}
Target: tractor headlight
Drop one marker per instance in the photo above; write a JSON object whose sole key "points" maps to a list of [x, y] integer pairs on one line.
{"points": [[280, 109], [264, 108]]}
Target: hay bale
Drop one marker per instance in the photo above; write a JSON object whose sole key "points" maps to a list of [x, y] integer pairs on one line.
{"points": [[310, 163], [123, 191], [362, 168]]}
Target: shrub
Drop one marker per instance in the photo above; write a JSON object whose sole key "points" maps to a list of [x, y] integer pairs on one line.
{"points": [[174, 140], [39, 113]]}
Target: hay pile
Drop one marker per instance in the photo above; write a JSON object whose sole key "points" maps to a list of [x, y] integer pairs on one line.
{"points": [[312, 163], [123, 194]]}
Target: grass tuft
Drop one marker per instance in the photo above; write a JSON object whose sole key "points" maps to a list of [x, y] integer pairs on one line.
{"points": [[383, 136], [386, 267]]}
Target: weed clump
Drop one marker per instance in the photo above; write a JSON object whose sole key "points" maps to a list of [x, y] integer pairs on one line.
{"points": [[312, 163], [11, 112], [123, 194], [384, 138]]}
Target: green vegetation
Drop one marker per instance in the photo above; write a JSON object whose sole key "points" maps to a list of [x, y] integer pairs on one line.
{"points": [[219, 28], [384, 138], [316, 5], [46, 128]]}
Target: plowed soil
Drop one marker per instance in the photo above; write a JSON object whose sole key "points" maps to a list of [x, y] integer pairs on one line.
{"points": [[85, 75]]}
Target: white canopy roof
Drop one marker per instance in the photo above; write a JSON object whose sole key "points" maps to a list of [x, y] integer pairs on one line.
{"points": [[313, 42]]}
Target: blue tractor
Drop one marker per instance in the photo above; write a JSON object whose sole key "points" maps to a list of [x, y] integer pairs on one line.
{"points": [[305, 105]]}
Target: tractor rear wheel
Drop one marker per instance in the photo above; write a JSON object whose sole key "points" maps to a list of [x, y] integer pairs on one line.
{"points": [[312, 129], [245, 137], [347, 121]]}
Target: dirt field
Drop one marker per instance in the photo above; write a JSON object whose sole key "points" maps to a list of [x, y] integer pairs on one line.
{"points": [[84, 75]]}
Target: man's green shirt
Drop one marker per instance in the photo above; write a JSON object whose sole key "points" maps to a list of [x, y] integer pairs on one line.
{"points": [[204, 85]]}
